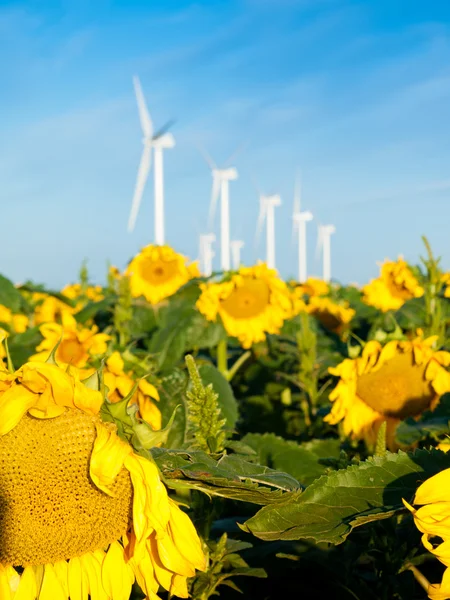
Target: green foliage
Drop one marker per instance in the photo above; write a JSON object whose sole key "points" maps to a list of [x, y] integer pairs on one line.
{"points": [[205, 421], [10, 295], [225, 563], [335, 504]]}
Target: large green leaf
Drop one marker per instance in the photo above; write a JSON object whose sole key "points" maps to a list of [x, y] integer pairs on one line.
{"points": [[333, 505], [300, 460], [10, 295], [93, 308], [229, 477], [227, 402]]}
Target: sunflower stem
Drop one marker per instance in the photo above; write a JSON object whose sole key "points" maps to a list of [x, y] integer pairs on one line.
{"points": [[123, 311], [238, 364], [419, 577], [222, 357], [433, 287], [380, 448]]}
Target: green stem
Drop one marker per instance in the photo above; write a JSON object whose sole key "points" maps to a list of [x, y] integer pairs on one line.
{"points": [[222, 357], [380, 448], [238, 364], [419, 577]]}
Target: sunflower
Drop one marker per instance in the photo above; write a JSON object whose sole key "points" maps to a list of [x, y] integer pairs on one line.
{"points": [[312, 287], [76, 291], [446, 281], [433, 520], [253, 302], [157, 272], [390, 383], [49, 309], [82, 513], [121, 383], [333, 316], [17, 322], [395, 285], [75, 344]]}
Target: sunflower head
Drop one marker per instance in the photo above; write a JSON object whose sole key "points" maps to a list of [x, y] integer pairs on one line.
{"points": [[16, 322], [313, 287], [252, 303], [157, 272], [333, 316], [390, 383], [395, 285], [75, 345], [81, 512], [432, 518]]}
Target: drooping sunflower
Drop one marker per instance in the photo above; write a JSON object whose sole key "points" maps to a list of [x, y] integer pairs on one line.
{"points": [[333, 316], [120, 385], [82, 513], [390, 383], [157, 272], [395, 285], [77, 344], [253, 302], [433, 520], [17, 322]]}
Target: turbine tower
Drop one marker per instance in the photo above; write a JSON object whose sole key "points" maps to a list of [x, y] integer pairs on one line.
{"points": [[323, 243], [206, 253], [236, 247], [220, 187], [300, 219], [267, 206], [156, 141]]}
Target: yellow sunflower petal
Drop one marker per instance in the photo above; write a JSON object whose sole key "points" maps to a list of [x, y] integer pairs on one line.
{"points": [[108, 456]]}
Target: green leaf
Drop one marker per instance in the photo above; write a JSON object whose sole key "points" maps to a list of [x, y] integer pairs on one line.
{"points": [[230, 477], [172, 391], [431, 424], [41, 289], [302, 461], [335, 504], [10, 295], [93, 308], [23, 345], [227, 402]]}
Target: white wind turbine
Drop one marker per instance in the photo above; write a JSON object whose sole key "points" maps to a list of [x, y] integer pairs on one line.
{"points": [[267, 206], [236, 247], [158, 141], [206, 253], [323, 243], [300, 219], [220, 187]]}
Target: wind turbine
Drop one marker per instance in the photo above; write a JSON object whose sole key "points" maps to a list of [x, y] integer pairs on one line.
{"points": [[236, 247], [300, 219], [220, 187], [206, 253], [323, 243], [158, 141], [267, 206]]}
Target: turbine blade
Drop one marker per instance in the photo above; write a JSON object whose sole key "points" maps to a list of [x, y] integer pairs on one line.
{"points": [[144, 115], [235, 153], [260, 223], [143, 171], [164, 129], [319, 242], [297, 193], [209, 161], [215, 191]]}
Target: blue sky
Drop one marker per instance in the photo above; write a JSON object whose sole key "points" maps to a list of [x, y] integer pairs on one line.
{"points": [[354, 93]]}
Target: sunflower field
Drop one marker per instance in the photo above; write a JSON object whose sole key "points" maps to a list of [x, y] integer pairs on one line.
{"points": [[175, 436]]}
